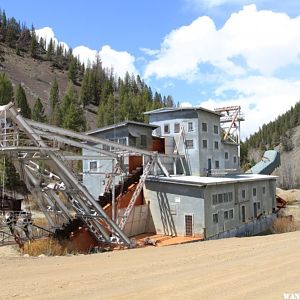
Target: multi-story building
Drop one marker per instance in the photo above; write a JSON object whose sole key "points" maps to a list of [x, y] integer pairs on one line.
{"points": [[200, 130]]}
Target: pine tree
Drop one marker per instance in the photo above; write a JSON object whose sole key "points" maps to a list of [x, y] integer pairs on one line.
{"points": [[72, 69], [54, 96], [22, 103], [74, 118], [6, 89], [33, 44], [56, 116], [50, 50], [72, 113], [38, 112]]}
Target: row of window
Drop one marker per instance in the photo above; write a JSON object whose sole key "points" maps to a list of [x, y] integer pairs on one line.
{"points": [[190, 127], [254, 192], [228, 215], [222, 198], [177, 127], [204, 128]]}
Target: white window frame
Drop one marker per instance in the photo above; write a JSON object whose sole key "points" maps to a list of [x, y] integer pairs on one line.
{"points": [[186, 144], [216, 143], [192, 127], [216, 126], [94, 168], [202, 126], [175, 127], [166, 124]]}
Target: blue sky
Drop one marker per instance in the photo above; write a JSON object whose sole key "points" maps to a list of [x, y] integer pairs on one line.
{"points": [[202, 52]]}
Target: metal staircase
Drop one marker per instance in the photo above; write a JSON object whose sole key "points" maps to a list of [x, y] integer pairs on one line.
{"points": [[136, 194]]}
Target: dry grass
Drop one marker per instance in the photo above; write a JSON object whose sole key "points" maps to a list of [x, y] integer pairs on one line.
{"points": [[284, 224], [46, 246], [41, 222]]}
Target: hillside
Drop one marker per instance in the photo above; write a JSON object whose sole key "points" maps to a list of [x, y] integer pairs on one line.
{"points": [[35, 75], [34, 67], [282, 134]]}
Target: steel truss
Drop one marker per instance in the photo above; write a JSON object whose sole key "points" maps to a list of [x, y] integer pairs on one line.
{"points": [[59, 193]]}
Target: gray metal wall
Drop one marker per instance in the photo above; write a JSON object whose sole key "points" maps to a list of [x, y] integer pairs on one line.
{"points": [[198, 156], [266, 200], [169, 203]]}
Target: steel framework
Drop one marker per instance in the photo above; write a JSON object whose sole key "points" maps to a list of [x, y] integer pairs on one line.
{"points": [[57, 190]]}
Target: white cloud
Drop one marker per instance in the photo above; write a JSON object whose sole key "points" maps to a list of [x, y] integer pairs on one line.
{"points": [[47, 34], [213, 3], [186, 104], [85, 54], [262, 99], [119, 61], [264, 40], [150, 52]]}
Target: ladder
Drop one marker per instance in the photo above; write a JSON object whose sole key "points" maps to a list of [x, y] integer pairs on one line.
{"points": [[180, 137], [136, 194], [110, 178]]}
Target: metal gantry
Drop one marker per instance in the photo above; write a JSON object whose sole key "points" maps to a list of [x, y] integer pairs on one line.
{"points": [[56, 189], [230, 120]]}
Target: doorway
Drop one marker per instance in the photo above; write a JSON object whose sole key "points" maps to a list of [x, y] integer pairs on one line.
{"points": [[189, 225]]}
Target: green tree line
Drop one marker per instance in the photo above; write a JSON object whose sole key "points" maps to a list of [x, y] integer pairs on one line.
{"points": [[279, 131]]}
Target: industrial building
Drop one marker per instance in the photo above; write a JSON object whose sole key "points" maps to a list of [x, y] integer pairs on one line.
{"points": [[204, 193]]}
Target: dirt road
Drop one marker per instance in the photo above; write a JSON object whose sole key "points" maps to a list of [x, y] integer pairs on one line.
{"points": [[237, 268]]}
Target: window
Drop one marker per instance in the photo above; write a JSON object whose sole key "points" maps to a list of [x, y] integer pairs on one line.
{"points": [[234, 159], [258, 205], [214, 199], [231, 214], [166, 128], [122, 141], [204, 144], [220, 198], [264, 190], [254, 192], [216, 145], [216, 129], [189, 144], [226, 215], [190, 126], [106, 147], [215, 218], [217, 164], [243, 194], [204, 127], [93, 165], [230, 196], [143, 140], [225, 197], [176, 127], [226, 155]]}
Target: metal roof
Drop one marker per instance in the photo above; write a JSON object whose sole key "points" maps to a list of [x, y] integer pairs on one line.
{"points": [[203, 181], [174, 109], [121, 124]]}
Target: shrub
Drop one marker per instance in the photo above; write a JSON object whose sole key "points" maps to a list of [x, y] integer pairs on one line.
{"points": [[284, 224]]}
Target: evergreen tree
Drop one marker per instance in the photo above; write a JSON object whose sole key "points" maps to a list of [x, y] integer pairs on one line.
{"points": [[72, 69], [56, 116], [33, 44], [6, 89], [50, 50], [86, 92], [74, 118], [22, 103], [38, 112], [54, 96], [72, 113], [11, 177]]}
